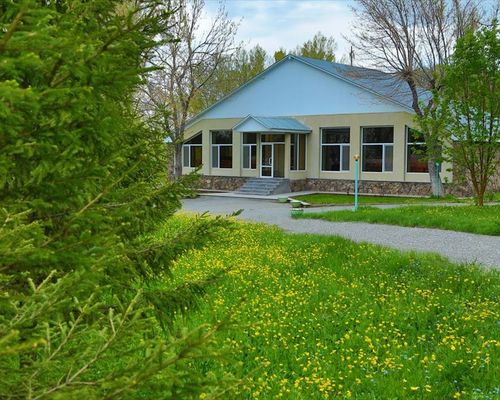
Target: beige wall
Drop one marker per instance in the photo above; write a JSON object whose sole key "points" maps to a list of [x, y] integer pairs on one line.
{"points": [[313, 157]]}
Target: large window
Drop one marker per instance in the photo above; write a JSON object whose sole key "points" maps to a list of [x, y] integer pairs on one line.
{"points": [[416, 150], [335, 149], [250, 150], [192, 152], [298, 152], [378, 148], [222, 149]]}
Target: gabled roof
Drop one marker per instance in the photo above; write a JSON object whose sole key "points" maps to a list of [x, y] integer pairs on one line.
{"points": [[384, 85], [381, 83], [271, 124]]}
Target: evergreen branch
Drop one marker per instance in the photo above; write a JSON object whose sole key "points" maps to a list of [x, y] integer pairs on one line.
{"points": [[12, 28]]}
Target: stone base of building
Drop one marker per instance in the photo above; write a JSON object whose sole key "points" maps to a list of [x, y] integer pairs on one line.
{"points": [[223, 183], [231, 183], [370, 187]]}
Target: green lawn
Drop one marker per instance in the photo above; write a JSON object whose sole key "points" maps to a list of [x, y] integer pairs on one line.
{"points": [[482, 220], [323, 317], [327, 198]]}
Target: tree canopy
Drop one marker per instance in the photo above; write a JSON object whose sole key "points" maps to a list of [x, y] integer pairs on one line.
{"points": [[320, 46], [469, 107]]}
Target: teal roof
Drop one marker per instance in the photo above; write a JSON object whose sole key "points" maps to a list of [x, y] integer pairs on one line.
{"points": [[274, 124]]}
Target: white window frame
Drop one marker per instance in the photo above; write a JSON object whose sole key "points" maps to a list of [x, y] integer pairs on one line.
{"points": [[188, 146], [296, 150], [213, 145], [252, 150], [408, 143], [218, 155], [384, 145], [340, 145]]}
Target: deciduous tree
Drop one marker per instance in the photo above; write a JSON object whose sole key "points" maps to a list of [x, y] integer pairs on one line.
{"points": [[470, 107], [233, 72], [414, 40], [320, 46], [186, 64]]}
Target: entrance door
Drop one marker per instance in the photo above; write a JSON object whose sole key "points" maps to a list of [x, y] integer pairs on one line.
{"points": [[266, 160]]}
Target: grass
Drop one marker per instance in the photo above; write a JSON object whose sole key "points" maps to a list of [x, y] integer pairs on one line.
{"points": [[323, 317], [341, 199], [481, 220]]}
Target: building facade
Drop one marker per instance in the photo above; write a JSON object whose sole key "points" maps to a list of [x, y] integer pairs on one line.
{"points": [[304, 120]]}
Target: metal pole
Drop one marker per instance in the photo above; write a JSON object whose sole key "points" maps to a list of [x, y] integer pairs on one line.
{"points": [[356, 182]]}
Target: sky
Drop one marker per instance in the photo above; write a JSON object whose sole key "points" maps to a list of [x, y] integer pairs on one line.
{"points": [[287, 23]]}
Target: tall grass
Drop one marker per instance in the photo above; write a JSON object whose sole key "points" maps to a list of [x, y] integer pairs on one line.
{"points": [[325, 317]]}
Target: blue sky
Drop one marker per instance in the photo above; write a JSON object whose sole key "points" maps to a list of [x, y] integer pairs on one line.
{"points": [[287, 23]]}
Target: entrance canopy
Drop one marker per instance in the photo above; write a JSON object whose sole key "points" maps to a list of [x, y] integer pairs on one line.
{"points": [[271, 125]]}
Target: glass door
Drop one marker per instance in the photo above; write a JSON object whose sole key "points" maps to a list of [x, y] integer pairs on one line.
{"points": [[266, 160]]}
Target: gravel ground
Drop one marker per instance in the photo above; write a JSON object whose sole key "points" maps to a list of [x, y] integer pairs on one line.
{"points": [[457, 246]]}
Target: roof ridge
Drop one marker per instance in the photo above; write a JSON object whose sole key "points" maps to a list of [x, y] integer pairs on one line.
{"points": [[343, 65]]}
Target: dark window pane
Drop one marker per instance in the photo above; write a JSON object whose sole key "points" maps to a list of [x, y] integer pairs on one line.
{"points": [[415, 136], [272, 138], [195, 140], [185, 156], [335, 135], [226, 157], [388, 158], [417, 159], [330, 158], [246, 156], [302, 152], [293, 152], [345, 157], [249, 138], [253, 157], [196, 155], [384, 134], [372, 158], [222, 137], [215, 157]]}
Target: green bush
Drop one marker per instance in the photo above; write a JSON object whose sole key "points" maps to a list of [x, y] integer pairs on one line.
{"points": [[82, 184]]}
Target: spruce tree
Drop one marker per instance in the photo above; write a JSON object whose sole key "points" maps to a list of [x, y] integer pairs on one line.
{"points": [[84, 312]]}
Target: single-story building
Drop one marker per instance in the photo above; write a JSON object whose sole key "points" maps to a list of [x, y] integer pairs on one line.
{"points": [[303, 120]]}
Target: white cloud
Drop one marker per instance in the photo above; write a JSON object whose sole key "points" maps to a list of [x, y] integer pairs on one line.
{"points": [[288, 23]]}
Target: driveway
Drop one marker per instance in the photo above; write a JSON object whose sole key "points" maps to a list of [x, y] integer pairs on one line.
{"points": [[457, 246]]}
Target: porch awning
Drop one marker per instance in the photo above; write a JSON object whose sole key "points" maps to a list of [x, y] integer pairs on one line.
{"points": [[271, 125]]}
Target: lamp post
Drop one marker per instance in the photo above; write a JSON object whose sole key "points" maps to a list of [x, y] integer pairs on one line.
{"points": [[356, 182], [437, 169]]}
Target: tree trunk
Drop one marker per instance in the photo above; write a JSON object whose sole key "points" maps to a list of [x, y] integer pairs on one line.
{"points": [[435, 176], [178, 160], [480, 198]]}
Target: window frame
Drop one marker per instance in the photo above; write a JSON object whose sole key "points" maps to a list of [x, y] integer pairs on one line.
{"points": [[407, 153], [218, 146], [297, 152], [340, 145], [190, 146], [383, 144], [252, 150]]}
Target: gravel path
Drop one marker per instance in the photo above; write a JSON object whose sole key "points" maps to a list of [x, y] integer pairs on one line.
{"points": [[457, 246]]}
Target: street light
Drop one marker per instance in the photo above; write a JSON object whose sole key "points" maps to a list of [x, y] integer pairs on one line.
{"points": [[356, 182]]}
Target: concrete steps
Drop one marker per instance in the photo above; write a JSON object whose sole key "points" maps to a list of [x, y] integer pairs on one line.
{"points": [[265, 186]]}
